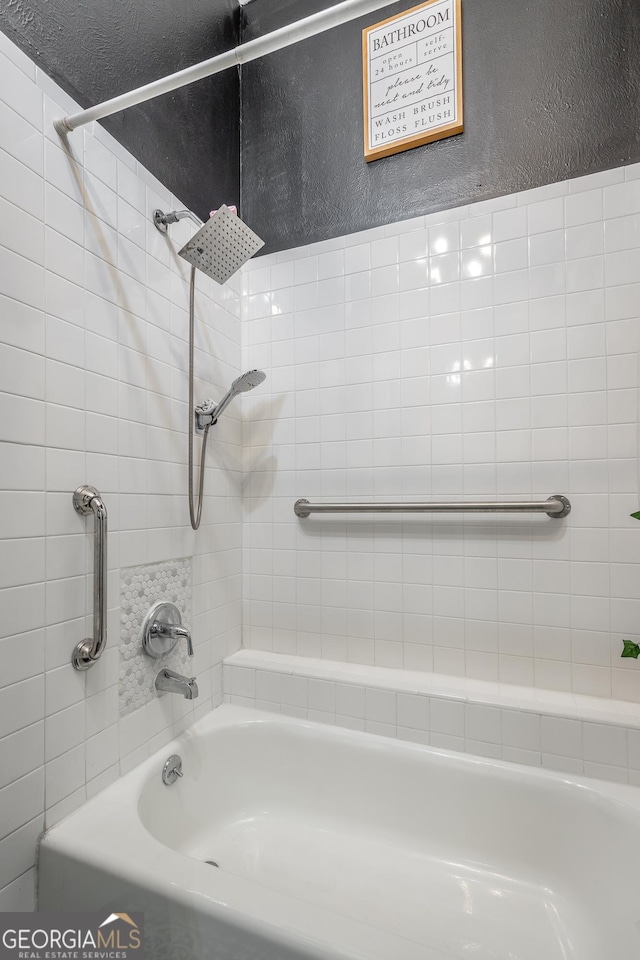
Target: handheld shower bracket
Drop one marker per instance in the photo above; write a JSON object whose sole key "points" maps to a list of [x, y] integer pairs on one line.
{"points": [[204, 415]]}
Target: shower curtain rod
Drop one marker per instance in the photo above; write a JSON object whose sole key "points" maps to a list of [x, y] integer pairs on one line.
{"points": [[276, 40]]}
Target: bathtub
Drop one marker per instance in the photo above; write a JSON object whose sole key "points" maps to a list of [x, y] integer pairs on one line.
{"points": [[334, 844]]}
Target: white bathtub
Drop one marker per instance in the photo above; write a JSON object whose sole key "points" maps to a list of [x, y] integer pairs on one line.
{"points": [[336, 844]]}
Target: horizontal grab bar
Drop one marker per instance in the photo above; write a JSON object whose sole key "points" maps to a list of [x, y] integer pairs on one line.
{"points": [[556, 507]]}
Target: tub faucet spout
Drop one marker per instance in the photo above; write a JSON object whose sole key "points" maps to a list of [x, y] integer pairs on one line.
{"points": [[169, 682]]}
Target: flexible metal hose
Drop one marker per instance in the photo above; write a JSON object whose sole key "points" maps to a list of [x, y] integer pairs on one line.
{"points": [[195, 516]]}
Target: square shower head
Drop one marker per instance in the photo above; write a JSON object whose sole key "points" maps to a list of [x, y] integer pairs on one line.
{"points": [[221, 245]]}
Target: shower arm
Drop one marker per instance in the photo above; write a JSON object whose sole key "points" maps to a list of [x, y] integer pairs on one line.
{"points": [[245, 53], [162, 220]]}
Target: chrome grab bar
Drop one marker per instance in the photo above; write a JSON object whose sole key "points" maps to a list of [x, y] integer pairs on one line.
{"points": [[556, 507], [88, 500]]}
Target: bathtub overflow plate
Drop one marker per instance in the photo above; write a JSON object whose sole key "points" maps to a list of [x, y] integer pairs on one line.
{"points": [[172, 770]]}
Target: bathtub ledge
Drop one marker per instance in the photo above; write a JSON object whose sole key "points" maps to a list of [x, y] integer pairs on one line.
{"points": [[560, 731]]}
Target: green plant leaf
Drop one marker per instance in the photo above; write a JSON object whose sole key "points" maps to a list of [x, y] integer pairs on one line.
{"points": [[630, 649], [636, 515]]}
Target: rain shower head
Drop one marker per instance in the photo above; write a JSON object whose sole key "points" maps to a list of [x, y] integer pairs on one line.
{"points": [[221, 246], [208, 412]]}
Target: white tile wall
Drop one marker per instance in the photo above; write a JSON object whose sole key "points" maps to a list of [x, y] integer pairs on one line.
{"points": [[578, 734], [489, 351], [93, 388]]}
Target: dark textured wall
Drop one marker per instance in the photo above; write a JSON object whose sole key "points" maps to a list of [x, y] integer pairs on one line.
{"points": [[552, 90], [96, 49]]}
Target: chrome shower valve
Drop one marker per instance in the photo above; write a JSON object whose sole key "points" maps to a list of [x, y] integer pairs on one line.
{"points": [[161, 630]]}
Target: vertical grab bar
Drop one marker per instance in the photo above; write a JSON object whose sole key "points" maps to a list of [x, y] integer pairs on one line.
{"points": [[88, 500]]}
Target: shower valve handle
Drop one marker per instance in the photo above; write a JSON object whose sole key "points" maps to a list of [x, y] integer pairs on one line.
{"points": [[174, 632], [162, 628]]}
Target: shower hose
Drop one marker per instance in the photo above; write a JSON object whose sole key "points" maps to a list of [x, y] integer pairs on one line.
{"points": [[194, 514]]}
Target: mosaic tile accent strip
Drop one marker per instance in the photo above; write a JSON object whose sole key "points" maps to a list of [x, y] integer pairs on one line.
{"points": [[140, 588]]}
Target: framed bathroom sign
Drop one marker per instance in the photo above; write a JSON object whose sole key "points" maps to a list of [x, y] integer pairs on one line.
{"points": [[412, 78]]}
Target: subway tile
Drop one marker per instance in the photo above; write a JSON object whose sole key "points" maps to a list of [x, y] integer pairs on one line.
{"points": [[20, 92], [19, 183], [21, 279], [621, 199], [20, 895], [63, 214], [412, 711], [583, 207], [23, 372], [64, 730], [21, 802], [21, 753], [321, 696], [63, 170], [64, 687], [64, 775], [476, 232], [65, 807], [606, 771], [20, 59], [26, 232], [380, 706], [390, 375], [447, 718], [521, 730], [545, 215], [604, 744], [23, 609], [62, 204], [350, 700], [509, 224], [22, 657], [100, 161], [586, 240], [482, 723], [101, 752], [548, 246], [17, 855]]}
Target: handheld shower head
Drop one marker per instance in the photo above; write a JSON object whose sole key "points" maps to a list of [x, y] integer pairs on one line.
{"points": [[219, 248], [207, 413], [248, 380]]}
